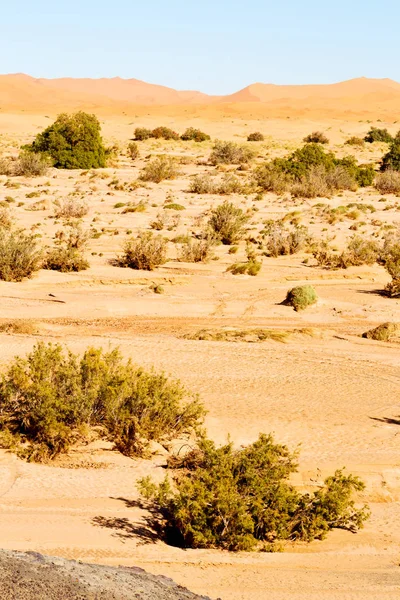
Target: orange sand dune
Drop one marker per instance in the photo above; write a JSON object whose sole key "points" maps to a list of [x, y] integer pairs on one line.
{"points": [[356, 98]]}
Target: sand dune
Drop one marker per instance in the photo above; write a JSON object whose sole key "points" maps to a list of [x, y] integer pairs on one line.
{"points": [[356, 97]]}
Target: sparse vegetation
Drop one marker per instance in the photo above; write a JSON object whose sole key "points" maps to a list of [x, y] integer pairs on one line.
{"points": [[195, 135], [146, 252], [228, 222], [20, 255], [133, 151], [160, 168], [71, 208], [225, 153], [301, 297], [193, 250], [28, 164], [279, 240], [355, 141], [68, 254], [388, 182]]}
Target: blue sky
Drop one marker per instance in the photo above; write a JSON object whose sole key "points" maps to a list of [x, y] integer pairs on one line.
{"points": [[215, 46]]}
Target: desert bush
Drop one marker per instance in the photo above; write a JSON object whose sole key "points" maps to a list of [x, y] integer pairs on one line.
{"points": [[146, 252], [142, 134], [383, 333], [360, 251], [193, 250], [229, 185], [6, 218], [243, 499], [300, 297], [355, 141], [388, 182], [50, 397], [27, 164], [195, 135], [270, 179], [312, 185], [365, 175], [73, 142], [202, 184], [325, 256], [316, 137], [391, 160], [390, 259], [68, 254], [164, 133], [20, 256], [205, 184], [257, 136], [71, 208], [228, 222], [174, 206], [160, 168], [133, 150], [339, 179], [252, 266], [164, 220], [278, 240], [230, 153], [378, 135]]}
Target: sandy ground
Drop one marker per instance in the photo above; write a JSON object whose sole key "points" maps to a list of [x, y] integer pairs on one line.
{"points": [[325, 389]]}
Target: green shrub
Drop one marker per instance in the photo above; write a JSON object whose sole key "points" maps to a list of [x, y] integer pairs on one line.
{"points": [[365, 175], [6, 218], [228, 222], [300, 297], [317, 137], [73, 142], [355, 141], [270, 179], [255, 137], [230, 153], [378, 135], [50, 398], [388, 182], [146, 252], [164, 133], [20, 256], [251, 267], [133, 151], [174, 206], [195, 135], [391, 160], [243, 500], [142, 134], [162, 167], [384, 332]]}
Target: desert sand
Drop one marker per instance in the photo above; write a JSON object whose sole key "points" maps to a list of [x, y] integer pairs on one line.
{"points": [[325, 389]]}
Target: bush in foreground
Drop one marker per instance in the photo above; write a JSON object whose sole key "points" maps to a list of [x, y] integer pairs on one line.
{"points": [[301, 297], [73, 142], [20, 255], [243, 500], [146, 252], [49, 399]]}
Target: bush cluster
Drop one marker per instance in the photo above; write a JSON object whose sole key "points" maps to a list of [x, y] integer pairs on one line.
{"points": [[378, 135], [280, 240], [205, 184], [51, 398], [195, 135], [225, 153], [243, 500], [159, 169], [27, 164], [191, 134]]}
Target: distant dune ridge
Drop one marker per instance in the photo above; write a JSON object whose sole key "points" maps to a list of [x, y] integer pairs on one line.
{"points": [[356, 96]]}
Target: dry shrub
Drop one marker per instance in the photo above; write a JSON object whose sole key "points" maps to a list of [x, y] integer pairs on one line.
{"points": [[165, 220], [230, 153], [68, 255], [146, 252], [355, 141], [195, 135], [339, 179], [279, 240], [133, 151], [257, 136], [271, 180], [202, 184], [6, 218], [27, 164], [251, 267], [71, 208], [159, 169], [313, 185], [228, 222], [196, 250], [384, 333], [360, 251], [300, 297], [388, 182], [142, 134], [390, 259], [19, 326], [316, 137], [20, 256]]}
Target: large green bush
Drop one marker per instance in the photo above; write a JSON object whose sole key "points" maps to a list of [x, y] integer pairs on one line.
{"points": [[73, 142], [242, 499], [52, 398]]}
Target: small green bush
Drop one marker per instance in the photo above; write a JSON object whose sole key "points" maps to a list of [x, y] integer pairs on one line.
{"points": [[174, 206], [378, 135], [20, 256], [196, 135], [243, 500], [255, 137], [228, 222], [73, 142], [49, 399], [142, 134], [391, 160], [300, 297], [317, 137], [384, 332], [159, 169], [146, 252]]}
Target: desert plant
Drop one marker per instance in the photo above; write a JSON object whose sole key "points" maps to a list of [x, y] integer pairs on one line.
{"points": [[193, 250], [50, 397], [30, 164], [164, 133], [73, 142], [279, 240], [141, 134], [146, 252], [133, 150], [312, 185], [164, 220], [20, 256], [391, 160], [383, 333], [160, 168], [252, 266], [316, 137], [230, 153], [243, 500], [270, 179], [257, 136], [71, 208], [388, 182], [300, 297], [355, 141], [6, 218], [378, 135], [202, 184], [195, 135], [360, 251], [68, 254], [228, 222]]}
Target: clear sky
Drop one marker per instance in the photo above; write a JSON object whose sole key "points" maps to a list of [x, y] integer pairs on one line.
{"points": [[216, 46]]}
